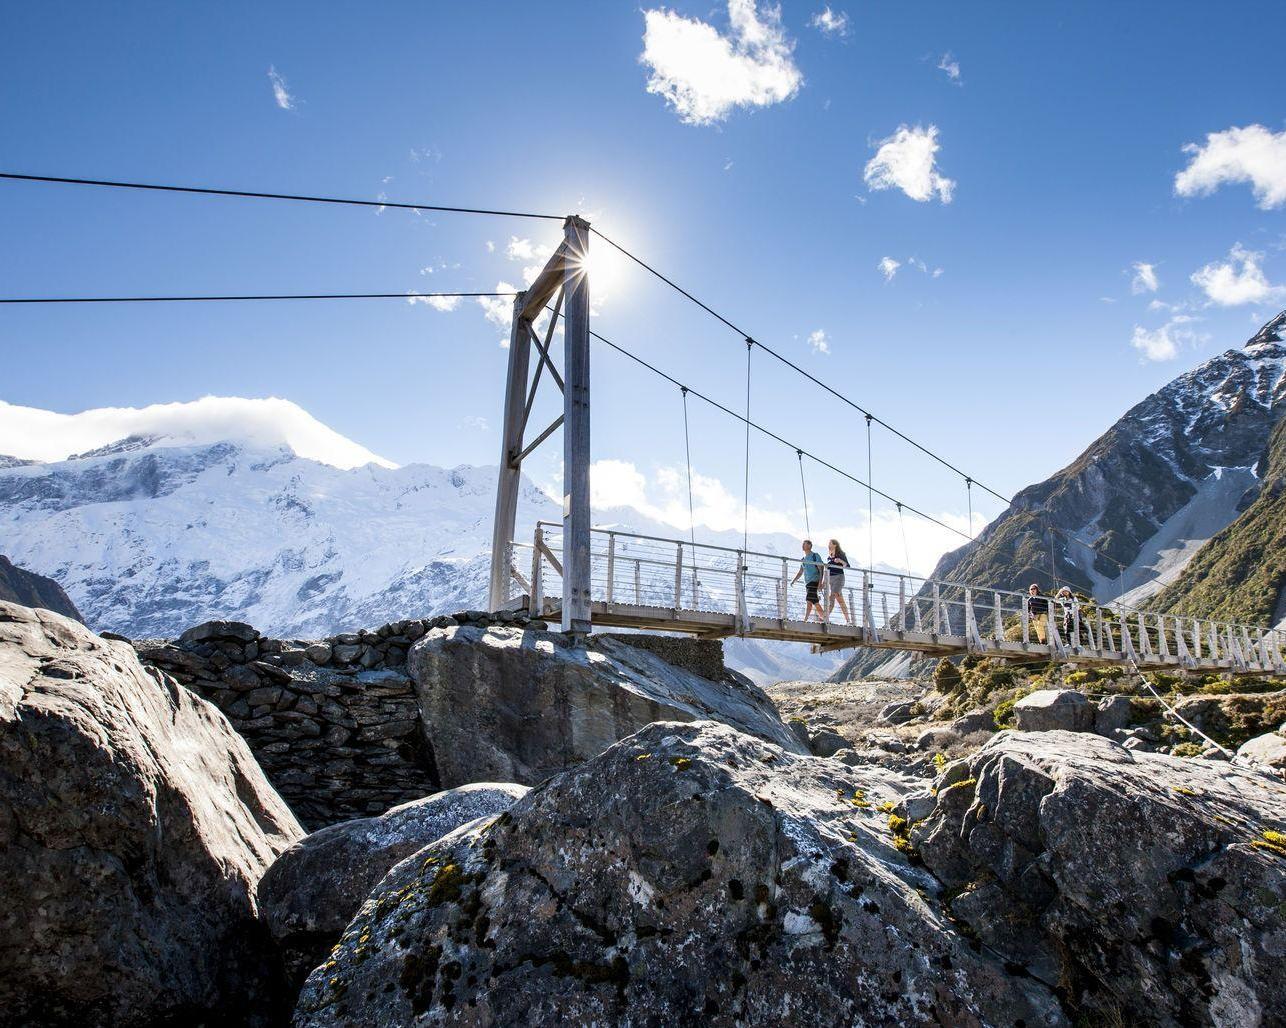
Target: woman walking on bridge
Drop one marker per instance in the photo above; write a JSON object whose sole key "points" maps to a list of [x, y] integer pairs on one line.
{"points": [[836, 562]]}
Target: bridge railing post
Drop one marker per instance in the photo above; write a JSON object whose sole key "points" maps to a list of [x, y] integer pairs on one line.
{"points": [[1026, 619], [937, 609], [783, 590], [538, 574], [678, 576], [611, 567], [739, 584]]}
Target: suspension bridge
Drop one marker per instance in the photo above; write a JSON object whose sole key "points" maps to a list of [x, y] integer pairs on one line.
{"points": [[587, 577]]}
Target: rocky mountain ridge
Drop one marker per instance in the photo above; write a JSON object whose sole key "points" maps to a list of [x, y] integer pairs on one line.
{"points": [[18, 585], [1124, 519]]}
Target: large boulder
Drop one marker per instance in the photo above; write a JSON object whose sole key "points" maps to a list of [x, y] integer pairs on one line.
{"points": [[135, 826], [502, 704], [689, 875], [1151, 888], [1268, 750], [315, 887], [1054, 710]]}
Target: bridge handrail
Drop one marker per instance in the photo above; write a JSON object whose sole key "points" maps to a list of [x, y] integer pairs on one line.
{"points": [[982, 591]]}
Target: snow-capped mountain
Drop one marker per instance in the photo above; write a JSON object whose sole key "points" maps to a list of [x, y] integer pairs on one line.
{"points": [[149, 539], [1149, 492], [1127, 517], [253, 510]]}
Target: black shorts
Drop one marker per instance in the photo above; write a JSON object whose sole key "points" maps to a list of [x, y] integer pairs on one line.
{"points": [[810, 592]]}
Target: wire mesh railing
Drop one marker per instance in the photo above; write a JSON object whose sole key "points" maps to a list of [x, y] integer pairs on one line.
{"points": [[764, 594]]}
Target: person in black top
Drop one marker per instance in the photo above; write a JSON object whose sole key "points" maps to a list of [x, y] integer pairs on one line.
{"points": [[836, 562], [1038, 608]]}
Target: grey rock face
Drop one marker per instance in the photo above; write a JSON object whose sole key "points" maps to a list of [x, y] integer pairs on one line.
{"points": [[1144, 884], [689, 875], [135, 825], [1053, 710], [316, 886], [1112, 715], [501, 704], [825, 743], [897, 713]]}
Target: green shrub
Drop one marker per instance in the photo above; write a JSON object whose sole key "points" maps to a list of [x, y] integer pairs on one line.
{"points": [[1187, 749]]}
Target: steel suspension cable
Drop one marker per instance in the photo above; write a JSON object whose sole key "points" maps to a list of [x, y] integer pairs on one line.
{"points": [[828, 388], [254, 296], [906, 550], [789, 363], [768, 432], [808, 528], [870, 500], [969, 500], [248, 194], [692, 518], [745, 508]]}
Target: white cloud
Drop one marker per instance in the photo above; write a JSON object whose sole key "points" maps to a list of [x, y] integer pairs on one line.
{"points": [[951, 66], [43, 435], [906, 161], [889, 267], [936, 272], [818, 341], [475, 423], [499, 310], [703, 75], [1252, 154], [1162, 344], [1145, 278], [491, 247], [1237, 280], [280, 92], [438, 303], [830, 23], [525, 250]]}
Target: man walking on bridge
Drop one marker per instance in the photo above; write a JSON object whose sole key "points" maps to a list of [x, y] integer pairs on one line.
{"points": [[811, 568]]}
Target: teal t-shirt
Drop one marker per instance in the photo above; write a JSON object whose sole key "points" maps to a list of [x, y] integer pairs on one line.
{"points": [[812, 567]]}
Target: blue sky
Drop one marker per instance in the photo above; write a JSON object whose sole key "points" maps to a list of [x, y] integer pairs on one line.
{"points": [[745, 173]]}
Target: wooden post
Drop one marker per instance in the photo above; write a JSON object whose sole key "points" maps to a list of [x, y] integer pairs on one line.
{"points": [[502, 530], [576, 451]]}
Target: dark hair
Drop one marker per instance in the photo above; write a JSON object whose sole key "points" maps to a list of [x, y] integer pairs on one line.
{"points": [[808, 543]]}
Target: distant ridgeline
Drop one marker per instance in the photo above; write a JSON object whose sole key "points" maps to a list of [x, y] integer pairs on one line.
{"points": [[1203, 458], [32, 590]]}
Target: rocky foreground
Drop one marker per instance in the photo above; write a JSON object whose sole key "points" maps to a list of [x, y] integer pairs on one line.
{"points": [[683, 855]]}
